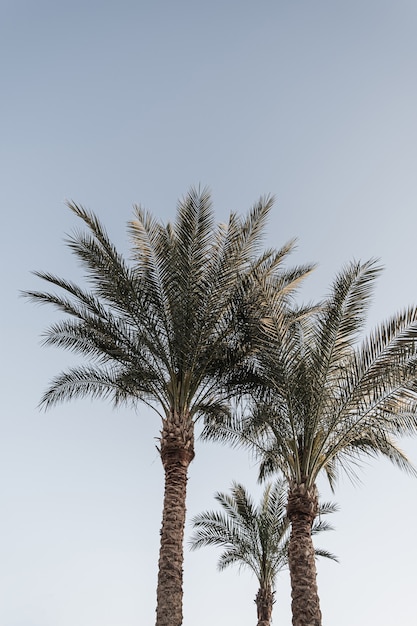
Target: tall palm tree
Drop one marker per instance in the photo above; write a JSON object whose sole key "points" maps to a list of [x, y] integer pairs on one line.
{"points": [[165, 330], [255, 537], [328, 401]]}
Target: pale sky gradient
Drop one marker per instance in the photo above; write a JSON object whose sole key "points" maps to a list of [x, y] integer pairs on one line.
{"points": [[111, 103]]}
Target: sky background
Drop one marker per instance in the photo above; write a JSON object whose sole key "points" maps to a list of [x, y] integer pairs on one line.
{"points": [[116, 103]]}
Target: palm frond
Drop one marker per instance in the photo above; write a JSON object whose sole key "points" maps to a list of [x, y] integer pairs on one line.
{"points": [[98, 382]]}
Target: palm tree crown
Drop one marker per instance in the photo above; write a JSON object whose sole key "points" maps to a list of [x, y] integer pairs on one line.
{"points": [[331, 400]]}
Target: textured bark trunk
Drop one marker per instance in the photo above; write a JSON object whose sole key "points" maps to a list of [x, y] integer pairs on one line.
{"points": [[302, 509], [177, 452], [264, 602]]}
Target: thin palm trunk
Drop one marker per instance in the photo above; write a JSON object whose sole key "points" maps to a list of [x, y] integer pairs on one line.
{"points": [[264, 603], [302, 510], [177, 452]]}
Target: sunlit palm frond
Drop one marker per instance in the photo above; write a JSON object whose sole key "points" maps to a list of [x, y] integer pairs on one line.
{"points": [[339, 323], [100, 382]]}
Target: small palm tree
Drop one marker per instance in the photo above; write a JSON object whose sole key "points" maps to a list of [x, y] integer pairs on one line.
{"points": [[254, 537], [170, 330], [327, 402]]}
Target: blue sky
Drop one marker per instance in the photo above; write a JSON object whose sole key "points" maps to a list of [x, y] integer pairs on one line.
{"points": [[112, 104]]}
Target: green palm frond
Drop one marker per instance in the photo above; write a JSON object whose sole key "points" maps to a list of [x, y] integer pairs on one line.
{"points": [[326, 554], [104, 383]]}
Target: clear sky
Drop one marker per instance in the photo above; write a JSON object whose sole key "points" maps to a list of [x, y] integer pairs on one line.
{"points": [[111, 103]]}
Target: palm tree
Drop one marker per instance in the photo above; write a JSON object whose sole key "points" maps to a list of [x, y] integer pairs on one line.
{"points": [[165, 330], [254, 537], [327, 402]]}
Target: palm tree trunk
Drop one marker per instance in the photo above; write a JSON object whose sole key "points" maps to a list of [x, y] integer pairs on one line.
{"points": [[177, 452], [302, 509], [264, 602]]}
